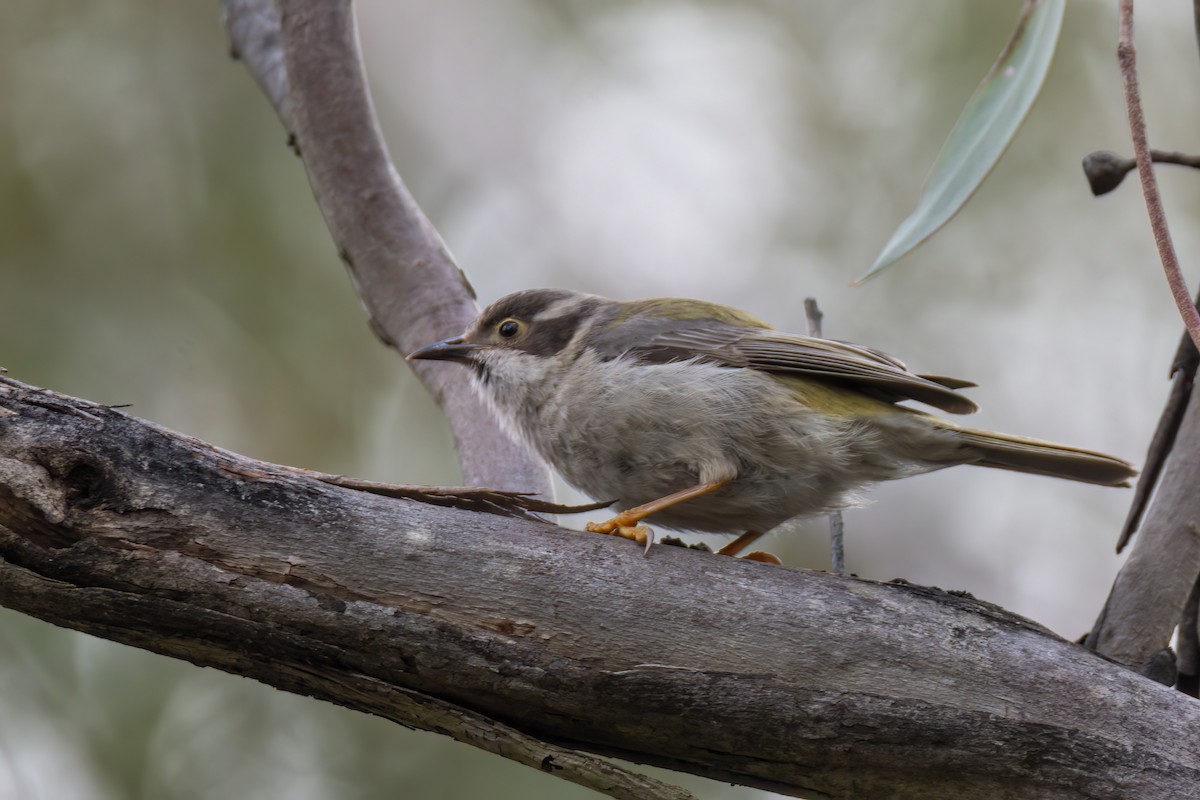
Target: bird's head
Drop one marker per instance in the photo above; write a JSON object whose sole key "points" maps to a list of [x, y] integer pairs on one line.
{"points": [[520, 337]]}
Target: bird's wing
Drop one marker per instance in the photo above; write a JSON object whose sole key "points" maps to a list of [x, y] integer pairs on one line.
{"points": [[734, 345], [862, 367]]}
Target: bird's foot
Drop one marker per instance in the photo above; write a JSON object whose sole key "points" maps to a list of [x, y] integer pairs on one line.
{"points": [[620, 526]]}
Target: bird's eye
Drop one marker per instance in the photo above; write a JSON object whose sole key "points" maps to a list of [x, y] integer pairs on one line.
{"points": [[509, 328]]}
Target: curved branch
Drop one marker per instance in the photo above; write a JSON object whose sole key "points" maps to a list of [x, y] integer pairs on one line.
{"points": [[305, 57], [794, 681], [1127, 56]]}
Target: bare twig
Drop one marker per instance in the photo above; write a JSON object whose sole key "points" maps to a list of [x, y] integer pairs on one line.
{"points": [[304, 54], [813, 316], [472, 498], [1174, 157], [1127, 56], [837, 527]]}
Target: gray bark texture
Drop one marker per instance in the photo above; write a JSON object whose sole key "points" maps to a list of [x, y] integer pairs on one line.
{"points": [[493, 627], [1151, 591]]}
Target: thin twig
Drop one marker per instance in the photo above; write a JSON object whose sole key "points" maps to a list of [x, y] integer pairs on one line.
{"points": [[837, 528], [1175, 157], [1127, 57]]}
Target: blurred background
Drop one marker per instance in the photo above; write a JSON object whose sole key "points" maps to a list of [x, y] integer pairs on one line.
{"points": [[159, 246]]}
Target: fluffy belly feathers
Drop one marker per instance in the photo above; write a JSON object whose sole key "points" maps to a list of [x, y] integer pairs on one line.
{"points": [[707, 423]]}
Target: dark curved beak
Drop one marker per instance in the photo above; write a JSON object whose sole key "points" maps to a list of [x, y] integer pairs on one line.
{"points": [[447, 350]]}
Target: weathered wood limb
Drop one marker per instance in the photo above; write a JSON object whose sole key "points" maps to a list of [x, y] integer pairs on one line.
{"points": [[1151, 590], [1183, 378], [46, 597], [789, 680], [304, 55]]}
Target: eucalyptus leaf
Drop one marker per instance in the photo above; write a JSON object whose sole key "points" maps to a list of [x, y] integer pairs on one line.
{"points": [[987, 125]]}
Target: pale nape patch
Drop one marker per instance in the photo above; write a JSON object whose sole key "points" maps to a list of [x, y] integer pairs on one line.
{"points": [[559, 308]]}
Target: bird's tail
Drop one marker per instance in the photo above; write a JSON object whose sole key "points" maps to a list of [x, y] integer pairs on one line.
{"points": [[1001, 451]]}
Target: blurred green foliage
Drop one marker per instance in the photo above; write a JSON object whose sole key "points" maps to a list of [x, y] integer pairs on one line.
{"points": [[988, 124]]}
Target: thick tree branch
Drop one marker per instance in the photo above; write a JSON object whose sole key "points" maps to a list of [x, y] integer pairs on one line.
{"points": [[46, 597], [304, 55], [795, 681]]}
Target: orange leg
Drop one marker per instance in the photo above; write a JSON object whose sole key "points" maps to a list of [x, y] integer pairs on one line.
{"points": [[626, 524], [742, 542]]}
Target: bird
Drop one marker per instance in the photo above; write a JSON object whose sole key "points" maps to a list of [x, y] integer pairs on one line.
{"points": [[691, 415]]}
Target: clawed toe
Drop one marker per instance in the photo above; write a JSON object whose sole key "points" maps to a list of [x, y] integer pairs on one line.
{"points": [[642, 534]]}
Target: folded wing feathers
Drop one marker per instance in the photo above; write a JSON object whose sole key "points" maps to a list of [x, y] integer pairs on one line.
{"points": [[764, 349], [839, 361]]}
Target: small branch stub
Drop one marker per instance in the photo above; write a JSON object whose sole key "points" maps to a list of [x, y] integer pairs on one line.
{"points": [[1105, 170], [837, 526]]}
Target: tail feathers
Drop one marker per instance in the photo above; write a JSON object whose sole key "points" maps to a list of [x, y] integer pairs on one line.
{"points": [[1001, 451]]}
